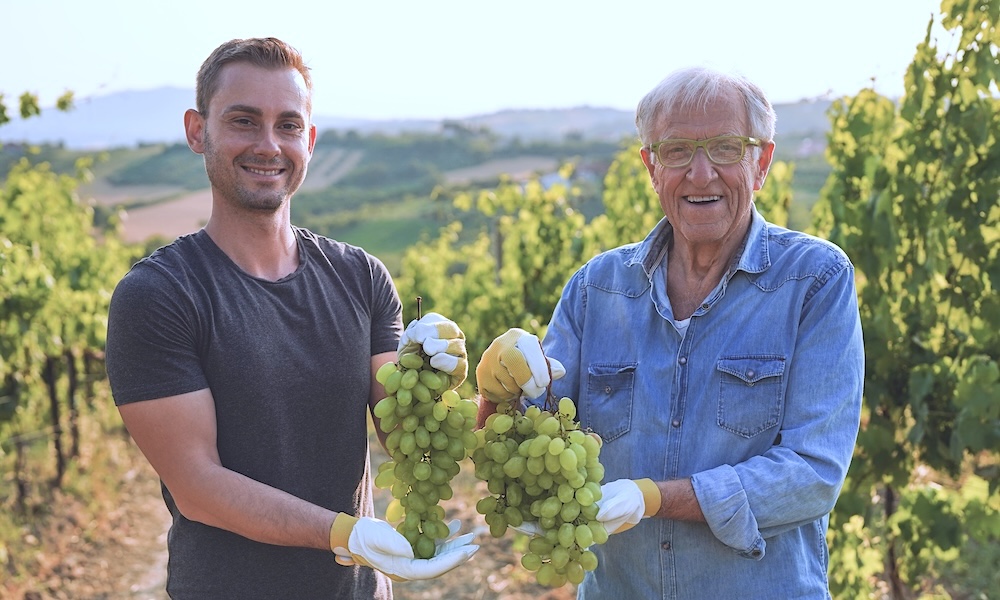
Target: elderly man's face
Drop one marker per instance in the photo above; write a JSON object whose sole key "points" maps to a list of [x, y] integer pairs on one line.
{"points": [[708, 204]]}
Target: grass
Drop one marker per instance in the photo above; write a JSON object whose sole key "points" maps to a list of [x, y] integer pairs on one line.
{"points": [[386, 230]]}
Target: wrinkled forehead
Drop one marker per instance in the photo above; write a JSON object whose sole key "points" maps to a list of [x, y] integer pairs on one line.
{"points": [[701, 116]]}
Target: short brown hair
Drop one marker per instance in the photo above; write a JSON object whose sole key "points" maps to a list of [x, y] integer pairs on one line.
{"points": [[270, 53]]}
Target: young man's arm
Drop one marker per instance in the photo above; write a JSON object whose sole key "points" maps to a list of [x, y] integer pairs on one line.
{"points": [[177, 434]]}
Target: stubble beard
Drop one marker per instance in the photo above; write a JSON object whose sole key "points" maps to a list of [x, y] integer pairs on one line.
{"points": [[223, 175]]}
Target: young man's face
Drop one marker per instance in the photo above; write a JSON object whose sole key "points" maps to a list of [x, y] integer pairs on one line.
{"points": [[257, 138]]}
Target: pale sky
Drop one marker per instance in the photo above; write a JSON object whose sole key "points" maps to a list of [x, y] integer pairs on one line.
{"points": [[389, 59]]}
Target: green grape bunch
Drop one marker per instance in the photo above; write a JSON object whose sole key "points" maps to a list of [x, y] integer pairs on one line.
{"points": [[542, 469], [430, 430]]}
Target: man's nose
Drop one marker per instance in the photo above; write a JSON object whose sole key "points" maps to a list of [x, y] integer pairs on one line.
{"points": [[701, 171], [267, 143]]}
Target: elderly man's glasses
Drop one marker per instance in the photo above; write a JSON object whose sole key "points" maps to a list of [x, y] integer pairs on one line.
{"points": [[722, 150]]}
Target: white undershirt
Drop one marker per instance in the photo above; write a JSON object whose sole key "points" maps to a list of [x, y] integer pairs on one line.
{"points": [[682, 326]]}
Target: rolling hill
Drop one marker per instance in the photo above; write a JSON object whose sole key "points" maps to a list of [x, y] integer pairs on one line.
{"points": [[155, 116]]}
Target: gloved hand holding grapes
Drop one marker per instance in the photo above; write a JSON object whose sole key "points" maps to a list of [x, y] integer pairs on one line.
{"points": [[625, 502], [442, 341], [374, 543], [514, 365]]}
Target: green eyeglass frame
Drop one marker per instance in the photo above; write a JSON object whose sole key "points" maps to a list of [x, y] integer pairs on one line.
{"points": [[721, 150]]}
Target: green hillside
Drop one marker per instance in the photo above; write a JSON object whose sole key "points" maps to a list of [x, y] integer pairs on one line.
{"points": [[385, 192]]}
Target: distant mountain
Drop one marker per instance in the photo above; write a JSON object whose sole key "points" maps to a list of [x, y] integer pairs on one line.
{"points": [[114, 120], [126, 119]]}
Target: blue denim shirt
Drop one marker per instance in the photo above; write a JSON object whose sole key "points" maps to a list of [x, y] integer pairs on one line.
{"points": [[758, 403]]}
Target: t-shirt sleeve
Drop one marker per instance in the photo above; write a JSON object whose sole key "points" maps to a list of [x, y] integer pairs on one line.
{"points": [[387, 310], [151, 350]]}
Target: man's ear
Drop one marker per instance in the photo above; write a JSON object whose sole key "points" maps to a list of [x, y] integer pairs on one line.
{"points": [[194, 130], [312, 138], [763, 164], [647, 159]]}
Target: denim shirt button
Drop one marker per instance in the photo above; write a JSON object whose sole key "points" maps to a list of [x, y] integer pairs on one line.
{"points": [[607, 389], [704, 306], [751, 373], [665, 545], [755, 553], [682, 360], [676, 422]]}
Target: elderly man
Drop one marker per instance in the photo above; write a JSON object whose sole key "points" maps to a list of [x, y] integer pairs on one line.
{"points": [[720, 359]]}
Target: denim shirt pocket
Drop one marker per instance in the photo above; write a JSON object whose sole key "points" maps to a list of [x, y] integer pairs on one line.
{"points": [[751, 393], [608, 410]]}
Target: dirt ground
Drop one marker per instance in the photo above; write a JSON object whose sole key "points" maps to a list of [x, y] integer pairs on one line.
{"points": [[122, 554], [116, 554], [186, 214]]}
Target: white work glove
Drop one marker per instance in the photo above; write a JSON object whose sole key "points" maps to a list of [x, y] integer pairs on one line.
{"points": [[529, 528], [625, 502], [374, 543], [514, 365], [442, 341]]}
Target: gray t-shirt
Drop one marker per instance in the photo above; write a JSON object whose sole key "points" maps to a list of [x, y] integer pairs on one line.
{"points": [[288, 364]]}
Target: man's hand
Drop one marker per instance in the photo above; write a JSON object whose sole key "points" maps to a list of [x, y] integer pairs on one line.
{"points": [[374, 543], [514, 365], [442, 341], [625, 502]]}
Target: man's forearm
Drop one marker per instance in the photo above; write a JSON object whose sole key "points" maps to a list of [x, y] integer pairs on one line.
{"points": [[231, 501], [678, 501]]}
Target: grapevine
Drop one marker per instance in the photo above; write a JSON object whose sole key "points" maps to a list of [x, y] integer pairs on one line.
{"points": [[430, 430], [541, 468]]}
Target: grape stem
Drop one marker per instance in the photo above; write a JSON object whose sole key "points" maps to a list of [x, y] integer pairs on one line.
{"points": [[551, 402]]}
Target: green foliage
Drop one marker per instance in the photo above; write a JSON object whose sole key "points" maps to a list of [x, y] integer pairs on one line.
{"points": [[774, 200], [28, 105], [912, 198], [56, 277], [631, 208], [510, 274]]}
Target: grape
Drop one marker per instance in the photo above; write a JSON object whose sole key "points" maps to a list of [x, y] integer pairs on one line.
{"points": [[430, 429], [541, 468], [384, 371], [531, 561]]}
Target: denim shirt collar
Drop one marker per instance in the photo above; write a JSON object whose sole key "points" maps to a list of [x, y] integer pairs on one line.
{"points": [[752, 256]]}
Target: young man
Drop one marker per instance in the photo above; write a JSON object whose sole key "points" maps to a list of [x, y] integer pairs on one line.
{"points": [[242, 360]]}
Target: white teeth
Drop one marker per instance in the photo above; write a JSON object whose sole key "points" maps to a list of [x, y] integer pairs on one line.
{"points": [[262, 172], [700, 199]]}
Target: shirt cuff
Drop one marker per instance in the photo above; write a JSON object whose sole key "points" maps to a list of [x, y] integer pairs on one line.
{"points": [[727, 510]]}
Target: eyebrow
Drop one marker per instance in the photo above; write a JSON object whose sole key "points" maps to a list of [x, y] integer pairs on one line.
{"points": [[253, 110]]}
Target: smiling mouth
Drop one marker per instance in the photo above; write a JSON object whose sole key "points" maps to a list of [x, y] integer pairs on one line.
{"points": [[702, 199], [265, 172]]}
